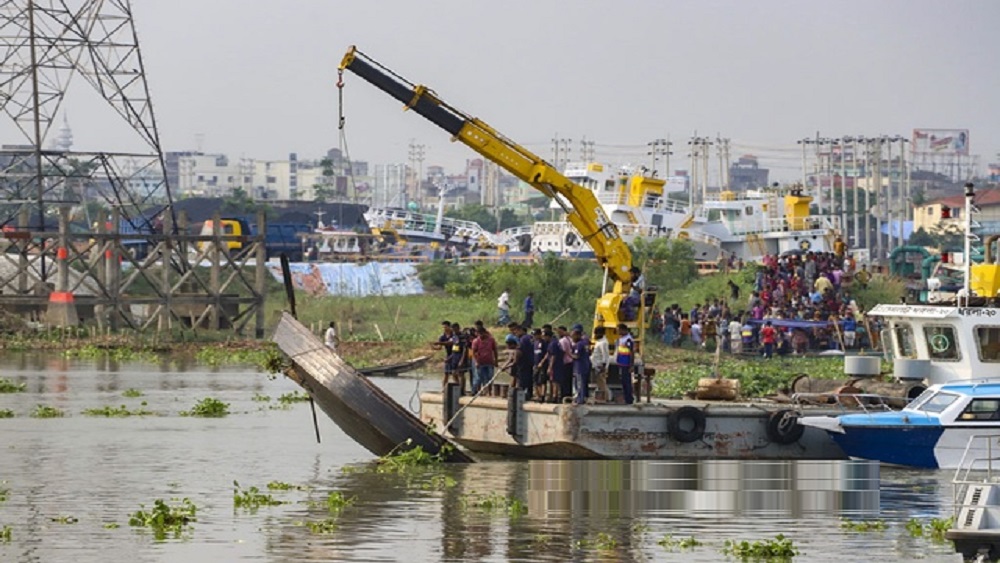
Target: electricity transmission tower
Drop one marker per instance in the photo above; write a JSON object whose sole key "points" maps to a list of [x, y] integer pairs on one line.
{"points": [[45, 46]]}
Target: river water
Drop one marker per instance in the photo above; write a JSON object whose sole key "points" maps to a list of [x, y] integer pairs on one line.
{"points": [[95, 472]]}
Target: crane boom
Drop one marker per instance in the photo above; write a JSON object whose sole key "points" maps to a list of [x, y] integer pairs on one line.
{"points": [[584, 211]]}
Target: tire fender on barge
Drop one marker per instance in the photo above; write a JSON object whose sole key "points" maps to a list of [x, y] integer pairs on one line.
{"points": [[783, 427], [686, 424]]}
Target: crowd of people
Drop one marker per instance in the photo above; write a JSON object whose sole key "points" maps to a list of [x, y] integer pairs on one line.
{"points": [[799, 303], [552, 364]]}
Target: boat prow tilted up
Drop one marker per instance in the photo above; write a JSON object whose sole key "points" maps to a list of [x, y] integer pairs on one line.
{"points": [[362, 410]]}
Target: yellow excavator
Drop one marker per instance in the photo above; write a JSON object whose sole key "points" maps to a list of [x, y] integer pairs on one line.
{"points": [[582, 208]]}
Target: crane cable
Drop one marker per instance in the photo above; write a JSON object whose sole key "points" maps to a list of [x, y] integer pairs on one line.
{"points": [[341, 122]]}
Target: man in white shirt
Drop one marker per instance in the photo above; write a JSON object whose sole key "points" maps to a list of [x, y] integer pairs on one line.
{"points": [[735, 336], [503, 308], [330, 339], [599, 360]]}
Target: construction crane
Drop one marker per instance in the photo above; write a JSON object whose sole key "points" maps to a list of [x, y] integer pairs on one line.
{"points": [[582, 208]]}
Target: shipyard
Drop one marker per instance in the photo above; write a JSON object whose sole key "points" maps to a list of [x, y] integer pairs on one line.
{"points": [[292, 284]]}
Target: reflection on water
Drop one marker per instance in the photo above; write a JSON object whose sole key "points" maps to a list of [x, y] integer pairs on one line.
{"points": [[100, 470], [717, 488]]}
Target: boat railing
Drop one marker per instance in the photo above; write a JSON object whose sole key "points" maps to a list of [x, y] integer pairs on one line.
{"points": [[868, 403], [973, 459], [980, 456]]}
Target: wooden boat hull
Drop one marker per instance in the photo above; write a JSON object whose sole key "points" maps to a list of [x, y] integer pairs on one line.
{"points": [[362, 410]]}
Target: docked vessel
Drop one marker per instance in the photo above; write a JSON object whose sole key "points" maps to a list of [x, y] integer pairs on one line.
{"points": [[744, 225], [953, 348]]}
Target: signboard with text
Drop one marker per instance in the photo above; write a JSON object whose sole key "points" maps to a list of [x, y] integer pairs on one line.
{"points": [[941, 141]]}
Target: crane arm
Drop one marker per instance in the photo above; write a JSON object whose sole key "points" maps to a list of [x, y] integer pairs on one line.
{"points": [[584, 211]]}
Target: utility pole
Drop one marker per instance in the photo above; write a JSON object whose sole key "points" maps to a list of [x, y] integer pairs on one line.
{"points": [[657, 147], [667, 157], [805, 178], [843, 186], [560, 152], [587, 150], [890, 201], [723, 154], [417, 168], [856, 212]]}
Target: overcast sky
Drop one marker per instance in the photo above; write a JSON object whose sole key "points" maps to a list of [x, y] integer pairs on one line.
{"points": [[257, 78]]}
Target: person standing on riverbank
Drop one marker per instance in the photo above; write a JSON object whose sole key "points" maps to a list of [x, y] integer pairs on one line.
{"points": [[330, 338], [503, 308], [529, 310]]}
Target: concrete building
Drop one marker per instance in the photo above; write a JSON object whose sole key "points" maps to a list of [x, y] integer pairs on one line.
{"points": [[929, 216], [746, 174]]}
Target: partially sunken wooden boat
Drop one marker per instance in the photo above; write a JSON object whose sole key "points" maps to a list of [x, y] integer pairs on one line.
{"points": [[392, 370], [362, 410]]}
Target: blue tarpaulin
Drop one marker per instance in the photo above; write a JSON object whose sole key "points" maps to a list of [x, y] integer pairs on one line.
{"points": [[907, 228], [353, 280]]}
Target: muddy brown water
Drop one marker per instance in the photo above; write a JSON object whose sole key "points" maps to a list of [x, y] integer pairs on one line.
{"points": [[99, 470]]}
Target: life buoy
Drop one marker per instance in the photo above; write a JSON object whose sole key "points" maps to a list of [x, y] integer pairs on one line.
{"points": [[783, 427], [805, 245], [686, 424], [571, 239]]}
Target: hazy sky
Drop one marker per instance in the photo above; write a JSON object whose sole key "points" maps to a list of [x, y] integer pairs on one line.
{"points": [[257, 78]]}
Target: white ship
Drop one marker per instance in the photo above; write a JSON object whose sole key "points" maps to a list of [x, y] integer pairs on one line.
{"points": [[747, 225]]}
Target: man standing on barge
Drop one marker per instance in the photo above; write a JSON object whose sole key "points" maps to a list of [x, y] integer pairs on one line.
{"points": [[624, 360]]}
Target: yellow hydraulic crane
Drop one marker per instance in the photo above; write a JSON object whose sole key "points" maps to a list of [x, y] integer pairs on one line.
{"points": [[583, 211]]}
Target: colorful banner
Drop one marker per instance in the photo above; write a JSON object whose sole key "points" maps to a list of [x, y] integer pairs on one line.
{"points": [[941, 141]]}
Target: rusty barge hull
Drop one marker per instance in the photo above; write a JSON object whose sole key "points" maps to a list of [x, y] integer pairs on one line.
{"points": [[642, 431]]}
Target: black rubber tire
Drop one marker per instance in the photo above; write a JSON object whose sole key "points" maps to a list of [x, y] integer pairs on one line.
{"points": [[691, 416], [783, 427]]}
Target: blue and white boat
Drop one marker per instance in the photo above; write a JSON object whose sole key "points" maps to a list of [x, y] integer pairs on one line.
{"points": [[932, 432]]}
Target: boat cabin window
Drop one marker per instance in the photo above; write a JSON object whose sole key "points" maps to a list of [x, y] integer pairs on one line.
{"points": [[941, 343], [902, 335], [988, 340], [937, 403], [982, 409]]}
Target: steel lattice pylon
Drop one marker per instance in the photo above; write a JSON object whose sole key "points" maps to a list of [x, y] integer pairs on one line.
{"points": [[45, 45]]}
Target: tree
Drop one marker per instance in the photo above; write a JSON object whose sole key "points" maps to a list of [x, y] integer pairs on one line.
{"points": [[485, 216], [921, 237], [668, 263], [238, 202]]}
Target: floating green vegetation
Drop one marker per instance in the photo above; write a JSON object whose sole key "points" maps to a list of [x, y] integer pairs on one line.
{"points": [[8, 386], [325, 526], [779, 548], [864, 526], [260, 398], [494, 503], [282, 486], [6, 413], [293, 397], [640, 528], [117, 412], [132, 393], [669, 542], [209, 408], [251, 499], [4, 491], [404, 458], [934, 529], [439, 483], [111, 526], [5, 534], [165, 519], [337, 501], [603, 541], [117, 353], [45, 411], [65, 519]]}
